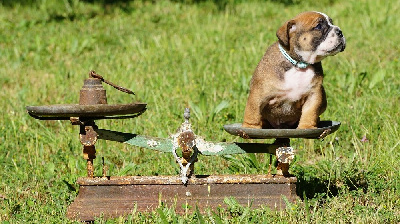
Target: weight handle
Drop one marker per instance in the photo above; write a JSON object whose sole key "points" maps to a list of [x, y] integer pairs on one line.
{"points": [[93, 74]]}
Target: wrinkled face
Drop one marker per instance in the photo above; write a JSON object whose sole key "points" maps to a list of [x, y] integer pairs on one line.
{"points": [[312, 37]]}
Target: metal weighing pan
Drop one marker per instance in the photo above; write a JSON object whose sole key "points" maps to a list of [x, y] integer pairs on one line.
{"points": [[324, 128], [65, 111]]}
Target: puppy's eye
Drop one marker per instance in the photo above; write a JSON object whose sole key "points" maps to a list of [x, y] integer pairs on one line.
{"points": [[318, 27]]}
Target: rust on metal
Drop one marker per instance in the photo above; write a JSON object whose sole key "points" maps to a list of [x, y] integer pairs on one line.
{"points": [[195, 180], [88, 137], [75, 121], [285, 154], [89, 154], [120, 195], [243, 134], [282, 168], [185, 139], [92, 92]]}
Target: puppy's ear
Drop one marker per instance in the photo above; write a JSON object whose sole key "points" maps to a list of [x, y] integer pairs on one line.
{"points": [[284, 32]]}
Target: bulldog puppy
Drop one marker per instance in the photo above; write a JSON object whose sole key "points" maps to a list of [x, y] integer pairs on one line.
{"points": [[286, 88]]}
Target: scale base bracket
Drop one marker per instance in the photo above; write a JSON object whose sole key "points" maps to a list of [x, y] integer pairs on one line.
{"points": [[118, 196]]}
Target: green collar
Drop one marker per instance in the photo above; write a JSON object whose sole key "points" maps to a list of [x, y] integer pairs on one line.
{"points": [[299, 64]]}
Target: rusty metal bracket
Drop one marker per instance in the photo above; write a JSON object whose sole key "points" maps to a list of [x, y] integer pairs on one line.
{"points": [[88, 138], [185, 139], [88, 135], [285, 154]]}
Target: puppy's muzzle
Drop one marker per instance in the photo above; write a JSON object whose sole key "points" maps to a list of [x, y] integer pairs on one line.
{"points": [[339, 32], [342, 43]]}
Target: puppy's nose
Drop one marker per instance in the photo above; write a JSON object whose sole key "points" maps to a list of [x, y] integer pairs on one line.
{"points": [[343, 47], [339, 32]]}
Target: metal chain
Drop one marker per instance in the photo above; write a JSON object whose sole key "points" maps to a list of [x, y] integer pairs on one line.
{"points": [[93, 74]]}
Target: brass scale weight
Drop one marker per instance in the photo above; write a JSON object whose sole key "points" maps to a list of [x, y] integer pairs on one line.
{"points": [[113, 196]]}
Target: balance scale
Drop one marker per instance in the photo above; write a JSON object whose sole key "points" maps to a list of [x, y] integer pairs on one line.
{"points": [[114, 196]]}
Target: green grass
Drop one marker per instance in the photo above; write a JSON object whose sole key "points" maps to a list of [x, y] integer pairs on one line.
{"points": [[198, 54]]}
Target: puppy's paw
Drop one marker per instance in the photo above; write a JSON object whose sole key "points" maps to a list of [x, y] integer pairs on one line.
{"points": [[306, 126], [247, 125]]}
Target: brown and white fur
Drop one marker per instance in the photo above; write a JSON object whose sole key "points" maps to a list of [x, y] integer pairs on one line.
{"points": [[283, 95]]}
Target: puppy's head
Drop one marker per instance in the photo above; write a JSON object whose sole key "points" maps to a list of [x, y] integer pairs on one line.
{"points": [[311, 36]]}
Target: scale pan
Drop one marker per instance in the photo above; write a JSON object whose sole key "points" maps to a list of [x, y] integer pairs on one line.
{"points": [[324, 128], [60, 111]]}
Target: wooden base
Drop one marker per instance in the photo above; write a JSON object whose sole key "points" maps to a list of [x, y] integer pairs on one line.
{"points": [[118, 196]]}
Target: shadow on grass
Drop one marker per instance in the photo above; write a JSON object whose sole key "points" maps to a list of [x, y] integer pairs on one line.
{"points": [[221, 4], [315, 186], [312, 187], [11, 3], [57, 12]]}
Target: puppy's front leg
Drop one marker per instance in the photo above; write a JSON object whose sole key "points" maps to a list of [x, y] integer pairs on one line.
{"points": [[252, 113], [314, 106]]}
